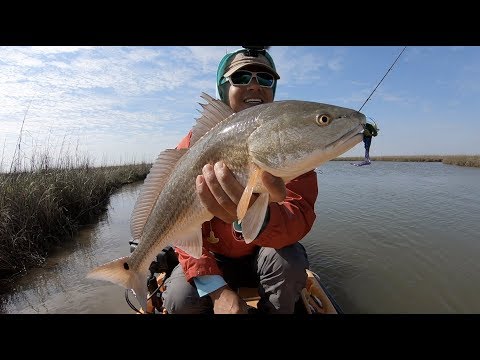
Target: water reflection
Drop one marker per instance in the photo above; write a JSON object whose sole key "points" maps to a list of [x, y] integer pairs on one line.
{"points": [[60, 285], [408, 232]]}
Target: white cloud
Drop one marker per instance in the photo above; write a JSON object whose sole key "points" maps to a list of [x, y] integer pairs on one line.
{"points": [[335, 64], [207, 57], [141, 99], [46, 50]]}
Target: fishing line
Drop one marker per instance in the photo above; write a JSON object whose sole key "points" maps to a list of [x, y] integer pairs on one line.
{"points": [[382, 78], [373, 121]]}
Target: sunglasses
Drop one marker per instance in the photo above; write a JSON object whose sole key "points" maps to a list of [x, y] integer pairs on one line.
{"points": [[244, 77]]}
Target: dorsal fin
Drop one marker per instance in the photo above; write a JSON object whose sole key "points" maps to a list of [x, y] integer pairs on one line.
{"points": [[213, 113], [153, 185]]}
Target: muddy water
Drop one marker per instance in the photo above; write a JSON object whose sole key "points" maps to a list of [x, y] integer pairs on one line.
{"points": [[389, 238], [60, 286]]}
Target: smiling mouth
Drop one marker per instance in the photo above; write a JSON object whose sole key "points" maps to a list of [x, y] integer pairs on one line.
{"points": [[253, 101]]}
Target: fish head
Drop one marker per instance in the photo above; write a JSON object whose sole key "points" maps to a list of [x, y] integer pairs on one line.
{"points": [[293, 137]]}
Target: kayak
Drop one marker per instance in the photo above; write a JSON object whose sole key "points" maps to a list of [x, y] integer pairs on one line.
{"points": [[314, 298]]}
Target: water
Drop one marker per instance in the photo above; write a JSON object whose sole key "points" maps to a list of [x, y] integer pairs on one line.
{"points": [[60, 287], [397, 238]]}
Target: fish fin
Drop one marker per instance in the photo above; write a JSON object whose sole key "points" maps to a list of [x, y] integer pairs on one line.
{"points": [[254, 218], [113, 271], [191, 242], [152, 186], [242, 207], [214, 112], [139, 286]]}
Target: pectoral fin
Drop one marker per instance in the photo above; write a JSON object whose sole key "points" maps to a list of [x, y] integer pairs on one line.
{"points": [[191, 242], [254, 218], [253, 176]]}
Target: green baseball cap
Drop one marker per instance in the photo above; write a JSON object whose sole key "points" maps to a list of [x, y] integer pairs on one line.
{"points": [[236, 60]]}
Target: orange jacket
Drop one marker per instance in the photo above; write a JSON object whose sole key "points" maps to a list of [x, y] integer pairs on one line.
{"points": [[288, 223]]}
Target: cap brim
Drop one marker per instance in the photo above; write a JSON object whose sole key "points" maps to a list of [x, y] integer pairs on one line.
{"points": [[242, 64]]}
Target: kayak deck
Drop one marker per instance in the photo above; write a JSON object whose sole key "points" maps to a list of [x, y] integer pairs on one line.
{"points": [[314, 298]]}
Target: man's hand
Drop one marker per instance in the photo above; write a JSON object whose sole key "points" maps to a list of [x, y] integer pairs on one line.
{"points": [[220, 192], [226, 301], [275, 186]]}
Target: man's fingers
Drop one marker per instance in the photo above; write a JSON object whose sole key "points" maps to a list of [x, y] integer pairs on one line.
{"points": [[220, 192], [229, 184], [275, 186], [217, 190], [209, 201]]}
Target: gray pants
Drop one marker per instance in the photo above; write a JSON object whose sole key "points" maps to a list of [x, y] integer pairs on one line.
{"points": [[279, 275]]}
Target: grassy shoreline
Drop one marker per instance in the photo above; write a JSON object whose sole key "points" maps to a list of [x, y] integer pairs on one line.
{"points": [[46, 207], [460, 160]]}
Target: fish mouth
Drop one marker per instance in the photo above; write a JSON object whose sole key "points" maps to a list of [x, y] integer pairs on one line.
{"points": [[345, 142], [296, 167], [349, 140]]}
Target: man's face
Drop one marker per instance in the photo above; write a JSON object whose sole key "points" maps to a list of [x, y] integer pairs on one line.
{"points": [[245, 96]]}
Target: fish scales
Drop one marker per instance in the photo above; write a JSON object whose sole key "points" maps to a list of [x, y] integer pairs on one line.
{"points": [[178, 203], [286, 138]]}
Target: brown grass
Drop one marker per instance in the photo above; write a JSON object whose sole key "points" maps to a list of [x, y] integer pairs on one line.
{"points": [[463, 160], [460, 160], [46, 205]]}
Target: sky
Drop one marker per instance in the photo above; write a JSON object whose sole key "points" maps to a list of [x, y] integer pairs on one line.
{"points": [[118, 105]]}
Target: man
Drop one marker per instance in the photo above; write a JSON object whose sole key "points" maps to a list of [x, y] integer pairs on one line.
{"points": [[275, 261]]}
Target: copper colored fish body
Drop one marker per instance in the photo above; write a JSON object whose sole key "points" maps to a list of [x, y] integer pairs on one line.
{"points": [[286, 138]]}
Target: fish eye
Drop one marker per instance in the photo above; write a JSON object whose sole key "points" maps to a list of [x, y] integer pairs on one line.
{"points": [[323, 119]]}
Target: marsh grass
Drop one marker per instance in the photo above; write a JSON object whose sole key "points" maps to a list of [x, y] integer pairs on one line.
{"points": [[46, 205], [460, 160], [463, 160]]}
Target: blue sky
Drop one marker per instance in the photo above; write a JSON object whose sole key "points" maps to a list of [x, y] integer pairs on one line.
{"points": [[123, 104]]}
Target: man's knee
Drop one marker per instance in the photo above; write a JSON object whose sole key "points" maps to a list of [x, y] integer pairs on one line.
{"points": [[180, 297], [282, 277], [290, 261]]}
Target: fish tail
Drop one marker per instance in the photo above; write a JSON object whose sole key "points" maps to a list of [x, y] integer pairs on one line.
{"points": [[139, 286], [118, 272], [114, 271]]}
